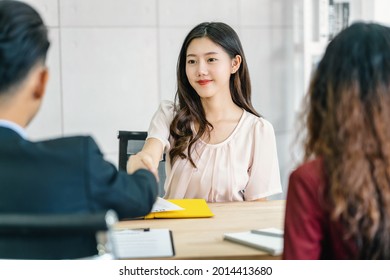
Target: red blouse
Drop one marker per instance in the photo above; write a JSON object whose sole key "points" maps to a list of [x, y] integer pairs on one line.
{"points": [[308, 232]]}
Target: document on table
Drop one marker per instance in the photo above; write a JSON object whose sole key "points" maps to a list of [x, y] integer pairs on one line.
{"points": [[142, 243], [162, 205]]}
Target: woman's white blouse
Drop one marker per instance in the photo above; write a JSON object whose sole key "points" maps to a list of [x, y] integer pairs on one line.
{"points": [[242, 167]]}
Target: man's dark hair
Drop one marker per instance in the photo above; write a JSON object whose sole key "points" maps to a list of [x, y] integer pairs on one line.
{"points": [[23, 42]]}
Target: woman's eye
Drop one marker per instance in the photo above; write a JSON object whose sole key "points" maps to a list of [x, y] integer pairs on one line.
{"points": [[191, 61], [212, 59]]}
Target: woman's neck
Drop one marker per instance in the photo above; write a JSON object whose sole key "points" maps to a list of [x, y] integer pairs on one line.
{"points": [[224, 116], [218, 109]]}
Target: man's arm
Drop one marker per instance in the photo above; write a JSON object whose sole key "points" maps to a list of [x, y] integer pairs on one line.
{"points": [[130, 195]]}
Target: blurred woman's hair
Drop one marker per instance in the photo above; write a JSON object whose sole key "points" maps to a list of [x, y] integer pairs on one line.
{"points": [[348, 125]]}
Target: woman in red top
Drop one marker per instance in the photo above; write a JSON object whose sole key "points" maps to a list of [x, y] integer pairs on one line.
{"points": [[338, 201]]}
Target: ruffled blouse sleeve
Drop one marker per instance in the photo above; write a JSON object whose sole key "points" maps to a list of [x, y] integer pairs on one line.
{"points": [[264, 175], [161, 121]]}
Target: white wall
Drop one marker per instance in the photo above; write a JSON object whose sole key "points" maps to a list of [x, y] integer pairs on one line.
{"points": [[111, 63], [381, 11]]}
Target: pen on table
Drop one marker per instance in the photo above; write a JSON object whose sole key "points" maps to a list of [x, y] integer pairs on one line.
{"points": [[141, 229], [267, 233], [133, 229]]}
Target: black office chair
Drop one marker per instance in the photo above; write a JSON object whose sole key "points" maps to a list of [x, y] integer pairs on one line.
{"points": [[130, 143], [56, 236]]}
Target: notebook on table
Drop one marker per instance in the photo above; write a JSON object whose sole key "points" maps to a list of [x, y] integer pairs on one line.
{"points": [[142, 243], [269, 240]]}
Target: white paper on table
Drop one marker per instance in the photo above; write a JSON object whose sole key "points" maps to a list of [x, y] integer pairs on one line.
{"points": [[162, 205]]}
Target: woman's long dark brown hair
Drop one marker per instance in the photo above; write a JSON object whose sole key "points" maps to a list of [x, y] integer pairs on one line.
{"points": [[348, 125], [189, 108]]}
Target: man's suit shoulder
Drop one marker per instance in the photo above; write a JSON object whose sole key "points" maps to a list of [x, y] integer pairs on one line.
{"points": [[63, 142]]}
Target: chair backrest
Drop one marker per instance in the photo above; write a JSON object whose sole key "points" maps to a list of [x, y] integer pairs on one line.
{"points": [[130, 143], [55, 236]]}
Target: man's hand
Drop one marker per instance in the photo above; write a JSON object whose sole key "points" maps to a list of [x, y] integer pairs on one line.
{"points": [[141, 160]]}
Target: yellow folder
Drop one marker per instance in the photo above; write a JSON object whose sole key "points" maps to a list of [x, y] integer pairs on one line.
{"points": [[193, 208]]}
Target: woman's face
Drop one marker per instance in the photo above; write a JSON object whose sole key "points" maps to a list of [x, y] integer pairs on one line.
{"points": [[208, 68]]}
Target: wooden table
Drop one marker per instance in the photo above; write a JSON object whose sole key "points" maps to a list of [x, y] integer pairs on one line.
{"points": [[202, 238]]}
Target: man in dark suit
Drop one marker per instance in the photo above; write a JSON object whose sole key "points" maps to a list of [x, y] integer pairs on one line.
{"points": [[65, 175]]}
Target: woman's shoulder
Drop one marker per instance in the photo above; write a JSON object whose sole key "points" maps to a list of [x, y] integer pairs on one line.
{"points": [[167, 107], [259, 124], [310, 172]]}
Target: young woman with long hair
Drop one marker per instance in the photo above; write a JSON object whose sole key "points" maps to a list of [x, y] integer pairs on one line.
{"points": [[219, 148]]}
